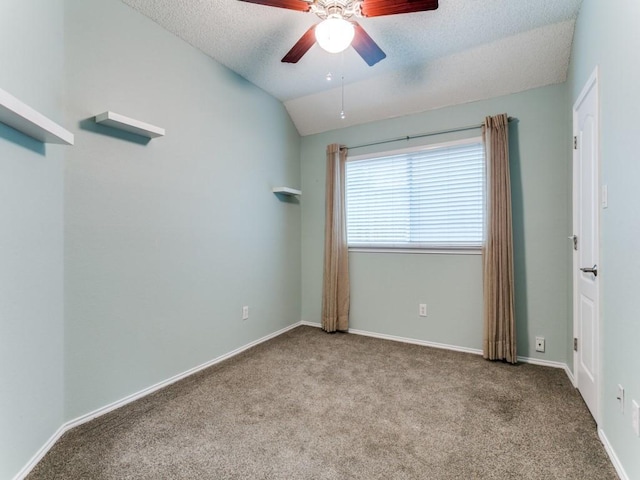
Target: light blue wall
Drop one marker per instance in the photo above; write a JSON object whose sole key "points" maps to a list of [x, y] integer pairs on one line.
{"points": [[387, 288], [158, 244], [608, 36], [31, 215], [166, 241]]}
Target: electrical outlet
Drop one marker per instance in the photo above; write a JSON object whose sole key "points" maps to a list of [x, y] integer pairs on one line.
{"points": [[635, 417], [245, 313], [422, 309], [540, 344], [620, 397]]}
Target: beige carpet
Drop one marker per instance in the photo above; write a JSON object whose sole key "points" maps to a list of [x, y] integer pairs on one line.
{"points": [[309, 405]]}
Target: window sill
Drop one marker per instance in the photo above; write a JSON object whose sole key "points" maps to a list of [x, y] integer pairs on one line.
{"points": [[432, 251]]}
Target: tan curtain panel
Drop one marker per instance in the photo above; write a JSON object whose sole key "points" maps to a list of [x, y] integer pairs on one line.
{"points": [[335, 284], [499, 320]]}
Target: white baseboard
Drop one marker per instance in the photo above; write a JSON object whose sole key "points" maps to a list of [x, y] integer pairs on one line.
{"points": [[135, 396], [143, 393], [569, 373], [415, 341], [310, 324], [40, 453], [543, 363], [456, 348], [612, 456], [395, 338]]}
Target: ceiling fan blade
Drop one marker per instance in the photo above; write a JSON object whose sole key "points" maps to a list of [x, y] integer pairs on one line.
{"points": [[378, 8], [366, 47], [301, 47], [298, 5]]}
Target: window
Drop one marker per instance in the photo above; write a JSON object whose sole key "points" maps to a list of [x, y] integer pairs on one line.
{"points": [[431, 198]]}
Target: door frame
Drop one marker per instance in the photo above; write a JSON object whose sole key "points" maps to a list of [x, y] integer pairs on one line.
{"points": [[592, 83]]}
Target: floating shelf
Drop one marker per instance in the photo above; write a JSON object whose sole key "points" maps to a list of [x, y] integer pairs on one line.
{"points": [[115, 120], [31, 122], [292, 192]]}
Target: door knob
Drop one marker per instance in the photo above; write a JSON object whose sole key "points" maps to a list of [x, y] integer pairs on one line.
{"points": [[593, 270]]}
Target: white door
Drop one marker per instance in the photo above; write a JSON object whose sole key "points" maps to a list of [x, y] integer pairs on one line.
{"points": [[586, 243]]}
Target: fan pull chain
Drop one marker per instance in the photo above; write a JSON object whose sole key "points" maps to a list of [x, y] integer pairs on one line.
{"points": [[342, 114]]}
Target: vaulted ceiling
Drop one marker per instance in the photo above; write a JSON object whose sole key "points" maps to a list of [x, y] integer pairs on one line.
{"points": [[464, 51]]}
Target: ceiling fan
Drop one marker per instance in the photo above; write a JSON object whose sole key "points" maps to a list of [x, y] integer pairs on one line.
{"points": [[337, 31]]}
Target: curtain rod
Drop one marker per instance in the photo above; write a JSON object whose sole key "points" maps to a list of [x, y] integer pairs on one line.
{"points": [[422, 135]]}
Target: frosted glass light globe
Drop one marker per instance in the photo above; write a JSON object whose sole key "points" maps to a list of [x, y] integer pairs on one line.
{"points": [[334, 34]]}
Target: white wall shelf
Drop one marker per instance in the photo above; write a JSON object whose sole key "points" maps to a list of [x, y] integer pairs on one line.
{"points": [[32, 123], [115, 120], [292, 192]]}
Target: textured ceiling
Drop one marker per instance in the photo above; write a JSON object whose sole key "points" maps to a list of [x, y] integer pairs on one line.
{"points": [[466, 50]]}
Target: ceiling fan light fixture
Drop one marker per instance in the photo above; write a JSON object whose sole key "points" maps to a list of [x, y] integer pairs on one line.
{"points": [[334, 34]]}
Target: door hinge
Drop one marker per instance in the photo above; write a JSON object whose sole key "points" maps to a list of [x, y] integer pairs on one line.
{"points": [[575, 142], [575, 344]]}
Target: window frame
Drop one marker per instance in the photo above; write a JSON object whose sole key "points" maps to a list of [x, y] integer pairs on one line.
{"points": [[422, 248]]}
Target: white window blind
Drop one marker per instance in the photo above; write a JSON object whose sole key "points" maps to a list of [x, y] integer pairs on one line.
{"points": [[432, 198]]}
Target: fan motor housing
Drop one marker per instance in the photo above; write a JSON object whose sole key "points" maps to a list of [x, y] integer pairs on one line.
{"points": [[340, 8]]}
